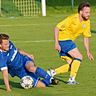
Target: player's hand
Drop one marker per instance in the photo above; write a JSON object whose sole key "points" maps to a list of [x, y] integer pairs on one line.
{"points": [[31, 56], [57, 47], [8, 89], [90, 56]]}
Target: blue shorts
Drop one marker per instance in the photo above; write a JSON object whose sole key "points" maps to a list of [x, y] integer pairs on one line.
{"points": [[21, 72], [66, 46]]}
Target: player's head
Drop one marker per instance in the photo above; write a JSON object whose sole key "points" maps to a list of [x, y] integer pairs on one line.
{"points": [[84, 10], [4, 42]]}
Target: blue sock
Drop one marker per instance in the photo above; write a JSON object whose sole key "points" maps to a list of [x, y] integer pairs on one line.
{"points": [[43, 74]]}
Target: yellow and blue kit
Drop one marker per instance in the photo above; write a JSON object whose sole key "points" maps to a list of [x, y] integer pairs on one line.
{"points": [[69, 29]]}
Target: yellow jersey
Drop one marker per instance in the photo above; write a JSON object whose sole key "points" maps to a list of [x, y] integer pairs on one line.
{"points": [[71, 27]]}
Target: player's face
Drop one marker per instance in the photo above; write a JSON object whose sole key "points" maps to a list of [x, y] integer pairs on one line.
{"points": [[85, 13], [5, 45]]}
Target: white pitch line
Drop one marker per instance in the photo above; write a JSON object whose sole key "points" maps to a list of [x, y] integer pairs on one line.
{"points": [[18, 25], [35, 41], [24, 25]]}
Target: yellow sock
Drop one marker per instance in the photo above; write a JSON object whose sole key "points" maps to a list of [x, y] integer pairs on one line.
{"points": [[74, 68], [62, 69]]}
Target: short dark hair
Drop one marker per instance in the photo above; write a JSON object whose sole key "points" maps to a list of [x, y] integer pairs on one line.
{"points": [[82, 5], [3, 37]]}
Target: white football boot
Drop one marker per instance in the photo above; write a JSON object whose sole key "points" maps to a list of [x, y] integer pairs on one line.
{"points": [[72, 81], [51, 72]]}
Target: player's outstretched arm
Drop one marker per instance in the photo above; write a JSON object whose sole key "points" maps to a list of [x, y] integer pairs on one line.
{"points": [[25, 53], [6, 79], [56, 33], [87, 47]]}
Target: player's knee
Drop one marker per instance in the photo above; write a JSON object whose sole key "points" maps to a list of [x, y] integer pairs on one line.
{"points": [[80, 60], [31, 68], [79, 56], [67, 59]]}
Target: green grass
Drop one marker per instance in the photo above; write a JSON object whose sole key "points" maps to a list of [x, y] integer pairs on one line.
{"points": [[52, 7], [24, 32], [65, 6]]}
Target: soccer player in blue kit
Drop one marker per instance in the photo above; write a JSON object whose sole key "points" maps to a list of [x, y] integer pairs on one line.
{"points": [[18, 63]]}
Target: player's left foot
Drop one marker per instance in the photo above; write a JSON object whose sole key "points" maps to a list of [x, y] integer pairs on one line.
{"points": [[54, 81]]}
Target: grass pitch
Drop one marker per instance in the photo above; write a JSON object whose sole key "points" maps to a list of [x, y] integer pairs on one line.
{"points": [[35, 35]]}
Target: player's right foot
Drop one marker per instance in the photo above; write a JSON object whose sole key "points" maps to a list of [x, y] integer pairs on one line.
{"points": [[51, 72], [72, 83]]}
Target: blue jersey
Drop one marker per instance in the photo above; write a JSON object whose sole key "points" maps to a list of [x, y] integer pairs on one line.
{"points": [[15, 63], [12, 60]]}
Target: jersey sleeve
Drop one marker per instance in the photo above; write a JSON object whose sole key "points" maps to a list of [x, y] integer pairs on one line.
{"points": [[87, 32], [64, 24], [3, 64]]}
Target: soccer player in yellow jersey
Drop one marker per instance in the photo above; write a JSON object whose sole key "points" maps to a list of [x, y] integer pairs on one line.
{"points": [[65, 34]]}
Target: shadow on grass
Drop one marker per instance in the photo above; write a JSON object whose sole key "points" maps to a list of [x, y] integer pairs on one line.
{"points": [[12, 83], [93, 31], [15, 84], [60, 78]]}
